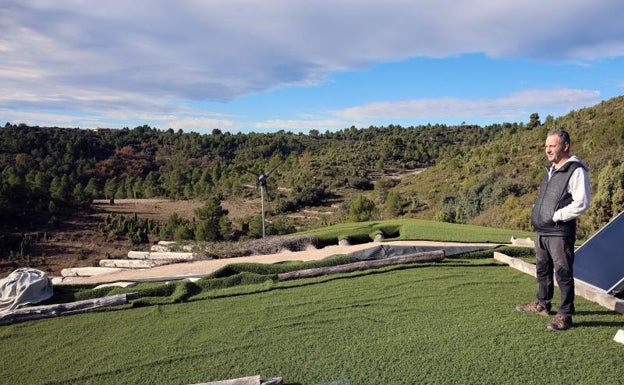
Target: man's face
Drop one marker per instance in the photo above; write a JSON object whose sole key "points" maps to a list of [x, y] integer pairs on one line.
{"points": [[555, 151]]}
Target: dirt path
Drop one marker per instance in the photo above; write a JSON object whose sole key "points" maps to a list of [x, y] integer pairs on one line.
{"points": [[201, 268]]}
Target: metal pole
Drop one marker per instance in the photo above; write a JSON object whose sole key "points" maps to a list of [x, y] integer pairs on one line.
{"points": [[262, 206]]}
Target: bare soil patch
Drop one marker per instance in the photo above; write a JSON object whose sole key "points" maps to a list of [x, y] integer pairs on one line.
{"points": [[76, 240], [155, 209]]}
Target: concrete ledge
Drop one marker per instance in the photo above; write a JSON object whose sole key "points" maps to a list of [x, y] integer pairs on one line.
{"points": [[526, 242], [133, 263], [88, 271], [138, 254], [171, 255], [117, 284], [583, 289]]}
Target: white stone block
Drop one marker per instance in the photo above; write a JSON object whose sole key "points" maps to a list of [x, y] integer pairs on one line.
{"points": [[619, 336], [138, 254]]}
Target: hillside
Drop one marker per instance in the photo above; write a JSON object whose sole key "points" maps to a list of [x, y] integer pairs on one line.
{"points": [[463, 174], [495, 184]]}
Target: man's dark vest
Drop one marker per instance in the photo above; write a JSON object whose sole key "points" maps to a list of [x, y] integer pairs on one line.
{"points": [[553, 195]]}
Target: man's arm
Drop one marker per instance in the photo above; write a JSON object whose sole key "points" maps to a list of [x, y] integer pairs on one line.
{"points": [[578, 186]]}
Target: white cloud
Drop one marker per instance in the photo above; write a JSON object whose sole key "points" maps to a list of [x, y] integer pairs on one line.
{"points": [[119, 59], [505, 107], [221, 49], [301, 125], [203, 124], [513, 107]]}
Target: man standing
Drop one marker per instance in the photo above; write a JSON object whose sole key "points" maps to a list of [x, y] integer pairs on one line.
{"points": [[563, 197]]}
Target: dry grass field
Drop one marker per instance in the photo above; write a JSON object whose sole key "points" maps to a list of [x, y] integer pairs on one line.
{"points": [[156, 209], [78, 242]]}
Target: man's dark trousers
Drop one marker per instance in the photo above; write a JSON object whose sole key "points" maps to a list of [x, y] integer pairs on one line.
{"points": [[555, 252]]}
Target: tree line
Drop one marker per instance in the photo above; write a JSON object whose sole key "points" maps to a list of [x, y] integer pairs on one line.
{"points": [[482, 175], [45, 169]]}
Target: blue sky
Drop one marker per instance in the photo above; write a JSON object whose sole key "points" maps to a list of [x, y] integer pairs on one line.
{"points": [[297, 65]]}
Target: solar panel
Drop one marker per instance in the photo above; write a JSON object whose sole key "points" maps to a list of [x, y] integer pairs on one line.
{"points": [[599, 261]]}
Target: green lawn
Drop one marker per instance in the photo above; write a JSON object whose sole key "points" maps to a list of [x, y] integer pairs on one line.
{"points": [[451, 322], [447, 323], [410, 229]]}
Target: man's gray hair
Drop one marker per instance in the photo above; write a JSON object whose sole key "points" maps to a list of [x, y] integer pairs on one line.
{"points": [[563, 136]]}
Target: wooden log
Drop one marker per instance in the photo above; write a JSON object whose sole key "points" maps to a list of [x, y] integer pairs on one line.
{"points": [[426, 256], [49, 311]]}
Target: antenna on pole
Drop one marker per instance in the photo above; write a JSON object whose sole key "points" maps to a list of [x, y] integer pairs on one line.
{"points": [[261, 183]]}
